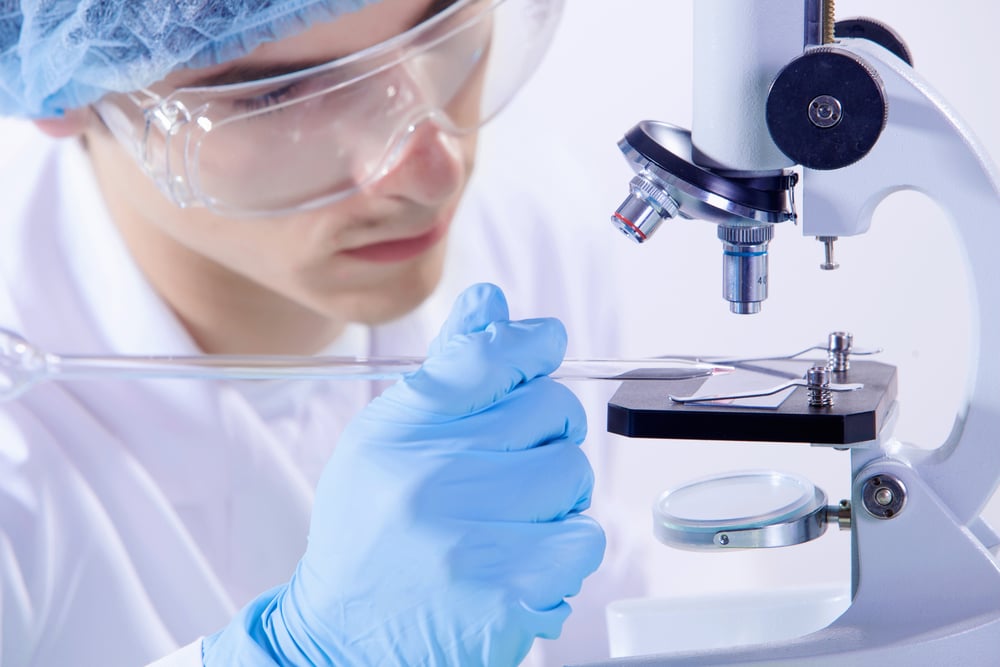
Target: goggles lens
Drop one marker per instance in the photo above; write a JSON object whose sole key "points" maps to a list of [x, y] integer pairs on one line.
{"points": [[307, 139]]}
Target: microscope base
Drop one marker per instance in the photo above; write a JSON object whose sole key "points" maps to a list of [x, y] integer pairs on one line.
{"points": [[928, 593]]}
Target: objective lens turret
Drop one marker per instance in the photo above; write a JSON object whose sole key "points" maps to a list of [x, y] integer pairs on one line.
{"points": [[668, 183]]}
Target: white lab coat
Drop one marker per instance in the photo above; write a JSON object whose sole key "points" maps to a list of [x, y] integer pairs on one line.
{"points": [[137, 516]]}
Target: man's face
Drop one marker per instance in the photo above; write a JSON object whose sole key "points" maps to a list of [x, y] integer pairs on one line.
{"points": [[370, 257]]}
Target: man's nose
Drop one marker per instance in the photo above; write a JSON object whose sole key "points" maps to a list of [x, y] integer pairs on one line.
{"points": [[430, 168]]}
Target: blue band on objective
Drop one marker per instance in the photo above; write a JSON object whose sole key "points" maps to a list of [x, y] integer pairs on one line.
{"points": [[728, 253]]}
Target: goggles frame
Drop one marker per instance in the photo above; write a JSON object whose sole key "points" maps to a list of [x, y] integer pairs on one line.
{"points": [[164, 132]]}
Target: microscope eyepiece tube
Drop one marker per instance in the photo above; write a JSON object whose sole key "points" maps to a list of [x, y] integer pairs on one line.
{"points": [[744, 266], [739, 48]]}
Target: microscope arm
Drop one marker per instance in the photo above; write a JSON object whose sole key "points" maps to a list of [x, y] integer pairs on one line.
{"points": [[926, 148]]}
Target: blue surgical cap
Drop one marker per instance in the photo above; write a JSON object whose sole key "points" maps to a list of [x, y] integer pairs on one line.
{"points": [[62, 54]]}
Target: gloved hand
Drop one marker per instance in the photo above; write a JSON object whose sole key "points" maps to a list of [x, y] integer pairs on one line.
{"points": [[446, 528]]}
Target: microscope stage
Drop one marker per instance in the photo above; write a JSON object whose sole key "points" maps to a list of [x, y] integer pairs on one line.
{"points": [[643, 409]]}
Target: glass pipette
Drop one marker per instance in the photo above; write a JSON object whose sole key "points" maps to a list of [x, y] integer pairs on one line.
{"points": [[22, 365]]}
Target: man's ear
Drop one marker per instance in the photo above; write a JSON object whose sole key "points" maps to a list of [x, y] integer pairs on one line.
{"points": [[71, 124]]}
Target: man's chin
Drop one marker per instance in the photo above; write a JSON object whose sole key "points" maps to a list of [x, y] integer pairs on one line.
{"points": [[385, 304]]}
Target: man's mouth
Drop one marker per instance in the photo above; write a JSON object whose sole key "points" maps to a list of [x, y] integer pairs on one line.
{"points": [[399, 250]]}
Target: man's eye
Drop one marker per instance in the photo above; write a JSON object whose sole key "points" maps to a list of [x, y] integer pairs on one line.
{"points": [[266, 100]]}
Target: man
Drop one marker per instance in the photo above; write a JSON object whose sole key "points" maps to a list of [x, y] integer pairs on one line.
{"points": [[283, 181]]}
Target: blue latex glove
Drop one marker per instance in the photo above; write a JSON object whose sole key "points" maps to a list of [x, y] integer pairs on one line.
{"points": [[447, 527]]}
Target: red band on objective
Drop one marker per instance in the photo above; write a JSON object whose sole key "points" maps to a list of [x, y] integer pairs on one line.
{"points": [[631, 225]]}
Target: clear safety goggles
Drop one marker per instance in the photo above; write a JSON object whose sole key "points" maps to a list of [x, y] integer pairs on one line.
{"points": [[307, 139]]}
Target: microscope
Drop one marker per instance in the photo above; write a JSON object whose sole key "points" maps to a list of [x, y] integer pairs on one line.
{"points": [[786, 96]]}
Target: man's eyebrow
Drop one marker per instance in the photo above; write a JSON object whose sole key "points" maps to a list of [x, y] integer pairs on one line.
{"points": [[249, 72], [436, 7]]}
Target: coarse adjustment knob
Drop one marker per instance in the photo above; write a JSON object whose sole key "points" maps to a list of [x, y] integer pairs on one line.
{"points": [[827, 108]]}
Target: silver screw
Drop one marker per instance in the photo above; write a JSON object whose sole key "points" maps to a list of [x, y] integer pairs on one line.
{"points": [[825, 112], [841, 513], [723, 540], [829, 264], [818, 379], [884, 497], [838, 349]]}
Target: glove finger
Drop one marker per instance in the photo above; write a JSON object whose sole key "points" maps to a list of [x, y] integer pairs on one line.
{"points": [[537, 485], [474, 371], [518, 627], [474, 309], [567, 553], [532, 414], [547, 623], [539, 564]]}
